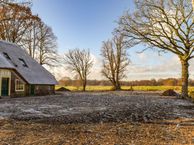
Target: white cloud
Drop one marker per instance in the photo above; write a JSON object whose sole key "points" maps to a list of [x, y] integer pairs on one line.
{"points": [[154, 66], [62, 70], [96, 70], [147, 66]]}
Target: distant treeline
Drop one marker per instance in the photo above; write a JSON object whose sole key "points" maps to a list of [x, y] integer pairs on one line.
{"points": [[160, 82]]}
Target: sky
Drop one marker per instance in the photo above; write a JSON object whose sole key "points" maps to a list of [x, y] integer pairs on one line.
{"points": [[87, 23]]}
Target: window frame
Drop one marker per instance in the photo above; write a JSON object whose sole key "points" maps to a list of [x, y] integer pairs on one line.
{"points": [[6, 55], [20, 84], [23, 62]]}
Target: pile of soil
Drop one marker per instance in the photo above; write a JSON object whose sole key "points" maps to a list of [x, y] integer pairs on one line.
{"points": [[63, 89], [169, 92]]}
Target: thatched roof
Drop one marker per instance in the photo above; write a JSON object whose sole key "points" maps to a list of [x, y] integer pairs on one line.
{"points": [[14, 57]]}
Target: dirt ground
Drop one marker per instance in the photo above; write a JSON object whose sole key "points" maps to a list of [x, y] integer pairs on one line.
{"points": [[97, 118]]}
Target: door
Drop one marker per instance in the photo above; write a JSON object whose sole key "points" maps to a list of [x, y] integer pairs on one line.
{"points": [[32, 87], [5, 87]]}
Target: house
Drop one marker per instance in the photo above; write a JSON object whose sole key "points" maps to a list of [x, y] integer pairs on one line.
{"points": [[21, 75]]}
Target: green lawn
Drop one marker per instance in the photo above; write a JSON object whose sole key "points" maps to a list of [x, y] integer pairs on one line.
{"points": [[136, 88]]}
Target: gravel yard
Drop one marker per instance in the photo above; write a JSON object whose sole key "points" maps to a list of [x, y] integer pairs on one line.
{"points": [[97, 118], [75, 107]]}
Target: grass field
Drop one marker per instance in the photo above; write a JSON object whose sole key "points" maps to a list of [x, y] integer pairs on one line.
{"points": [[135, 88]]}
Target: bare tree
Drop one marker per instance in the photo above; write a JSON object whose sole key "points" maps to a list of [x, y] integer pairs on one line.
{"points": [[47, 46], [115, 60], [79, 62], [41, 44], [31, 38], [16, 18], [164, 24], [19, 25]]}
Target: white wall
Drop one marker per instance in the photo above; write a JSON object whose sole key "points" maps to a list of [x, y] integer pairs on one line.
{"points": [[5, 73]]}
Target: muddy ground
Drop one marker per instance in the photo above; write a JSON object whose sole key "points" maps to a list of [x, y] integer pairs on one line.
{"points": [[97, 118]]}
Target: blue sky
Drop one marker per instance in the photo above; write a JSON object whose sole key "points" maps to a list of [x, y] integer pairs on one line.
{"points": [[81, 23], [86, 23]]}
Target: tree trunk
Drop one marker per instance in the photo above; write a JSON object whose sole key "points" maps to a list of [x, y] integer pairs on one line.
{"points": [[84, 85], [117, 86], [185, 78]]}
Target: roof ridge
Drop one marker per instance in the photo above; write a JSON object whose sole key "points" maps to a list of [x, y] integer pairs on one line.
{"points": [[10, 43]]}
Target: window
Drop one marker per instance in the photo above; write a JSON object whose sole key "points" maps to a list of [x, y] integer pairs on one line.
{"points": [[23, 62], [19, 85], [8, 57]]}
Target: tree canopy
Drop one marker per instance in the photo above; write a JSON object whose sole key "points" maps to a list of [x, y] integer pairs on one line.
{"points": [[164, 24]]}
